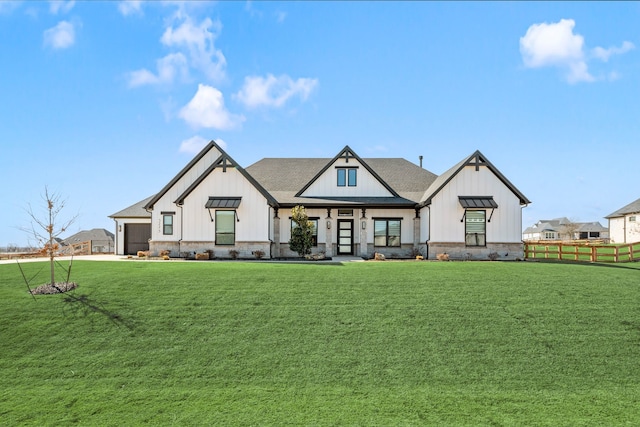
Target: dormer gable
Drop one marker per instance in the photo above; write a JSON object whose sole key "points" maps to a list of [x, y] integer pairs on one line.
{"points": [[477, 161], [347, 175]]}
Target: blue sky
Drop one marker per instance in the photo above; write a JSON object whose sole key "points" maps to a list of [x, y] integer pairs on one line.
{"points": [[104, 102]]}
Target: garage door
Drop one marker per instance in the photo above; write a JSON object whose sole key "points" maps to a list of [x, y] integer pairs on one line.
{"points": [[136, 238]]}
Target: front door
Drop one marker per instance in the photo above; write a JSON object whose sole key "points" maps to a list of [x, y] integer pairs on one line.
{"points": [[345, 237]]}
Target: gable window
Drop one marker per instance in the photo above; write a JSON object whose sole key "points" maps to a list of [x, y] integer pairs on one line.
{"points": [[167, 223], [386, 232], [314, 232], [225, 227], [475, 228], [347, 177]]}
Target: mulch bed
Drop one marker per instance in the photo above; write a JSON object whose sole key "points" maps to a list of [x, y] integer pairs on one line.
{"points": [[48, 289]]}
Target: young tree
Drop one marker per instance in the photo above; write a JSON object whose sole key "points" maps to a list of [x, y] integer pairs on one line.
{"points": [[302, 233], [46, 229]]}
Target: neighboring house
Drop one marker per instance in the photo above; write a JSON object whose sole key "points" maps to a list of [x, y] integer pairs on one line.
{"points": [[564, 229], [102, 241], [624, 224], [357, 206], [133, 228]]}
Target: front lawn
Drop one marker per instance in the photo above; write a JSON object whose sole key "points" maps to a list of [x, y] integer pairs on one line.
{"points": [[375, 343]]}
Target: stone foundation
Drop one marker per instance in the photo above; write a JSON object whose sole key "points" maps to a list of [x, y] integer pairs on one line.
{"points": [[459, 251], [187, 249]]}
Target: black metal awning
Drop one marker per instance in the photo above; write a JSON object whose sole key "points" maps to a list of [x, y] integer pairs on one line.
{"points": [[223, 202], [477, 202]]}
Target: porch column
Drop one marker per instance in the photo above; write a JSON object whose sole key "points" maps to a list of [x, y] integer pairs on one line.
{"points": [[328, 234], [276, 234], [416, 230], [362, 225]]}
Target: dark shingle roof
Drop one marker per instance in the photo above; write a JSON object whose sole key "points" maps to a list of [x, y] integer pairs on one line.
{"points": [[136, 210], [85, 235], [284, 177], [633, 207]]}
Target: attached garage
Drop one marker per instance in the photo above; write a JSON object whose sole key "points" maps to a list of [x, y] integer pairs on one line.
{"points": [[133, 229], [136, 238]]}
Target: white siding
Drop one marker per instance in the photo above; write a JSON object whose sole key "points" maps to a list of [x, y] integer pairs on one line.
{"points": [[252, 214], [327, 184], [424, 224], [166, 202], [446, 212], [622, 230]]}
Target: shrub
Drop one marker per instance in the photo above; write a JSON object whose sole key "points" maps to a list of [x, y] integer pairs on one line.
{"points": [[233, 253], [164, 253], [493, 256], [258, 254]]}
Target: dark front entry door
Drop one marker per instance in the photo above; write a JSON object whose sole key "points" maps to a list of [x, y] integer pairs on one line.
{"points": [[345, 237]]}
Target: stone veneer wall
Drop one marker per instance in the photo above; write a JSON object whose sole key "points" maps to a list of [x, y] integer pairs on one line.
{"points": [[178, 249], [459, 251]]}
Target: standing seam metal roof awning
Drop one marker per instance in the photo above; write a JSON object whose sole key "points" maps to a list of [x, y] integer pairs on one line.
{"points": [[470, 202], [223, 202]]}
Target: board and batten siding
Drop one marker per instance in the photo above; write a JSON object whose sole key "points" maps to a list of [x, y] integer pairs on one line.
{"points": [[166, 202], [622, 230], [327, 183], [446, 211], [253, 212]]}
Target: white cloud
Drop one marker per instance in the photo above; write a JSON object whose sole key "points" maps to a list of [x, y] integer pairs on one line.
{"points": [[130, 7], [273, 91], [206, 110], [61, 6], [604, 54], [61, 36], [198, 40], [556, 45], [168, 67]]}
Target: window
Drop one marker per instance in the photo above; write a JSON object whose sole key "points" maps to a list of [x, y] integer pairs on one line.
{"points": [[345, 212], [475, 228], [225, 227], [632, 218], [549, 235], [386, 232], [347, 176], [314, 232], [167, 224]]}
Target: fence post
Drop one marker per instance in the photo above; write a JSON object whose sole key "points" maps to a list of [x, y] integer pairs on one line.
{"points": [[594, 254]]}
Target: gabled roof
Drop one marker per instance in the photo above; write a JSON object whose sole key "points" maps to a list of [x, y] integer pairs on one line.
{"points": [[136, 210], [282, 177], [633, 207], [223, 161], [93, 234], [346, 154], [477, 159], [560, 225]]}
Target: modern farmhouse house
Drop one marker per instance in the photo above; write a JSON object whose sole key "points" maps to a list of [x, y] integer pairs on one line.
{"points": [[624, 224], [357, 206]]}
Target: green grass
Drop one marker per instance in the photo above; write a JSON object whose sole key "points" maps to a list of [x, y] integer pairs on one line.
{"points": [[393, 343]]}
